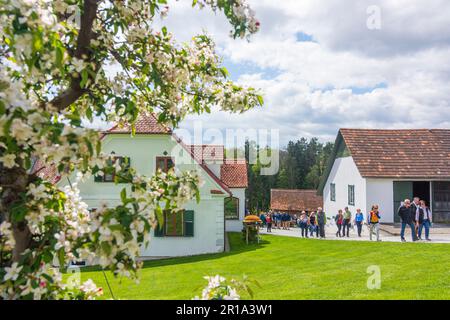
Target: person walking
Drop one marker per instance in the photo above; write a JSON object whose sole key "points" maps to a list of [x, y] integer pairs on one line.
{"points": [[269, 222], [277, 220], [288, 221], [283, 220], [347, 221], [405, 215], [313, 225], [424, 219], [373, 221], [339, 220], [415, 205], [303, 223], [359, 220], [262, 216], [321, 221]]}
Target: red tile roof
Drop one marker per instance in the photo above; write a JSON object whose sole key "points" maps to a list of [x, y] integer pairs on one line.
{"points": [[234, 173], [145, 124], [208, 152], [49, 173], [411, 154], [295, 200], [202, 164]]}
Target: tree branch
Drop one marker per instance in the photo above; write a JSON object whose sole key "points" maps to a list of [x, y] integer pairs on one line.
{"points": [[85, 34]]}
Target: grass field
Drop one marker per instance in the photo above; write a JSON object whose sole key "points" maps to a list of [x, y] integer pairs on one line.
{"points": [[294, 268]]}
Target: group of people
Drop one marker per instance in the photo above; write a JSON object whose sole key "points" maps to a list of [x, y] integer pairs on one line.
{"points": [[311, 224], [314, 223], [418, 216], [277, 220], [344, 222]]}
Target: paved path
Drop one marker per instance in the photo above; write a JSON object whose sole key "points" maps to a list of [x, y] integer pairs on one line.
{"points": [[442, 236]]}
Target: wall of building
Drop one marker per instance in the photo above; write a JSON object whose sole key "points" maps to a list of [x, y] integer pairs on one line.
{"points": [[143, 150], [343, 173], [215, 167], [381, 192], [236, 225]]}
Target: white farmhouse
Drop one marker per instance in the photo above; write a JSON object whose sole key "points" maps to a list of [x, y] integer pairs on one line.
{"points": [[385, 167], [200, 228]]}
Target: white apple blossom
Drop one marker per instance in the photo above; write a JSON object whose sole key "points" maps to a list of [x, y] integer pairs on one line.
{"points": [[12, 273], [8, 160]]}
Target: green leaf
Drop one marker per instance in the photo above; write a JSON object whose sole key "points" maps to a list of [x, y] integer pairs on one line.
{"points": [[123, 195], [18, 212], [61, 258], [59, 56], [84, 78], [89, 114], [224, 72], [37, 42], [260, 100], [164, 31]]}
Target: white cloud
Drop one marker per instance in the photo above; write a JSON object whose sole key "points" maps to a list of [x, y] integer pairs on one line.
{"points": [[314, 88]]}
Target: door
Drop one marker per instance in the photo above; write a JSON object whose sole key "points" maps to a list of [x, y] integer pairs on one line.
{"points": [[441, 201], [402, 191]]}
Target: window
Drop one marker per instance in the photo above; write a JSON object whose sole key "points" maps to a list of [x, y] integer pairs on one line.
{"points": [[441, 198], [351, 195], [332, 191], [176, 224], [110, 171], [173, 224], [164, 163], [231, 208]]}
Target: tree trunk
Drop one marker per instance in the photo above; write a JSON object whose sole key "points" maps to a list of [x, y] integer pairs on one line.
{"points": [[14, 182]]}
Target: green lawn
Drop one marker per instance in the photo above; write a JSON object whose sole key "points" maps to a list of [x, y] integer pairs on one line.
{"points": [[294, 268]]}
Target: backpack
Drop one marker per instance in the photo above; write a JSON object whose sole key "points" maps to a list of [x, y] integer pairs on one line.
{"points": [[374, 217]]}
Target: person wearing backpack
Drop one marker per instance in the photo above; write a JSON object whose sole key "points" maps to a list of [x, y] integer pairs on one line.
{"points": [[359, 220], [373, 221], [424, 219], [339, 218]]}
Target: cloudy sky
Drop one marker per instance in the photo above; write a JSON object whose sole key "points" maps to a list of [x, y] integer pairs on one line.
{"points": [[322, 68]]}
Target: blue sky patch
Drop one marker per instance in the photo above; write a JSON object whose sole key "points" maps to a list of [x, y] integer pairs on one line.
{"points": [[304, 37]]}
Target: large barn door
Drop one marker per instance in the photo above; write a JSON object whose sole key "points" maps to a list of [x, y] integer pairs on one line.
{"points": [[402, 190]]}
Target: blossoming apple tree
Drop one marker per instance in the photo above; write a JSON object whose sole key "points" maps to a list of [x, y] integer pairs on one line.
{"points": [[55, 58]]}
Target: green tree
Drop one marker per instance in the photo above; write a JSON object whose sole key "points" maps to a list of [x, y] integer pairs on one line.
{"points": [[53, 61]]}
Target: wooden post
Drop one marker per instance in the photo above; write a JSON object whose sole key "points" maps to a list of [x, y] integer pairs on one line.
{"points": [[246, 232]]}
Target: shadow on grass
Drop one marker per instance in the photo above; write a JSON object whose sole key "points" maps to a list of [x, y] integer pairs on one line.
{"points": [[237, 246]]}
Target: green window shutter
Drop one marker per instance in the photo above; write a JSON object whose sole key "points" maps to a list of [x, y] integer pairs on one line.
{"points": [[159, 230], [98, 178], [188, 223]]}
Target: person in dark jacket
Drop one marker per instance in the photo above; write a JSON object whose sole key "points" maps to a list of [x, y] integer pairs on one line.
{"points": [[321, 222], [313, 227], [415, 205], [405, 215]]}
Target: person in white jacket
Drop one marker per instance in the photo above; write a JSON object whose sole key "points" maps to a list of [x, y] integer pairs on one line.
{"points": [[424, 218]]}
